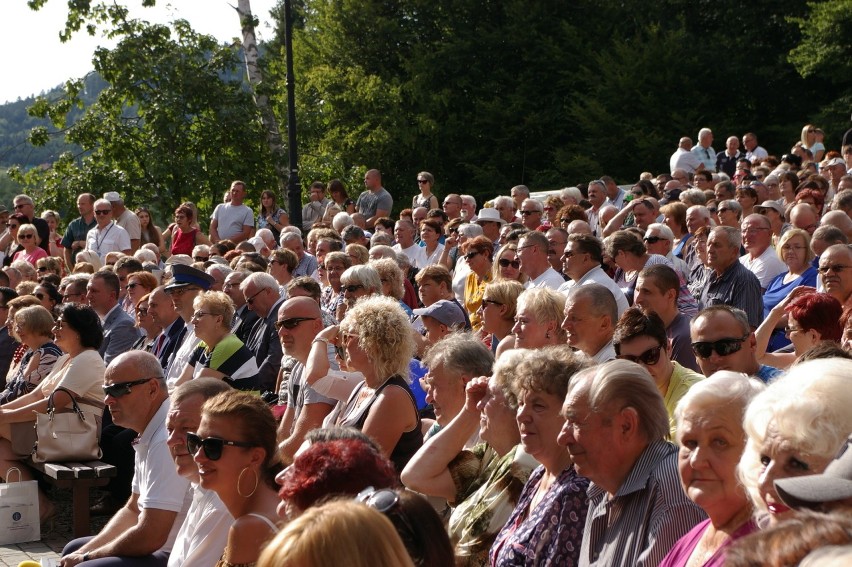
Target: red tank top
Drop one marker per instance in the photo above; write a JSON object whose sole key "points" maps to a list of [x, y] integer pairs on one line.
{"points": [[183, 242]]}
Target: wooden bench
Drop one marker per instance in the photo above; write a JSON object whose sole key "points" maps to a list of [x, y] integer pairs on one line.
{"points": [[79, 477]]}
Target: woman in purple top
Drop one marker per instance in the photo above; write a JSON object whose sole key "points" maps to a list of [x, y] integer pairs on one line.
{"points": [[546, 526], [711, 438]]}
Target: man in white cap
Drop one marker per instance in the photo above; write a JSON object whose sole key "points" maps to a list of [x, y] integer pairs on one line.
{"points": [[125, 218], [491, 222]]}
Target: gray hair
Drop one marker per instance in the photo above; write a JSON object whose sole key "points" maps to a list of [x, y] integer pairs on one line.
{"points": [[364, 275], [733, 205], [573, 192], [342, 220], [288, 236], [470, 230], [722, 388], [536, 204], [503, 200], [383, 251], [663, 230], [601, 298], [260, 280], [693, 197], [460, 353], [732, 235]]}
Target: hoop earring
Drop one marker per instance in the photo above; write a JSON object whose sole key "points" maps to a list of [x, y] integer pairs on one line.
{"points": [[240, 479]]}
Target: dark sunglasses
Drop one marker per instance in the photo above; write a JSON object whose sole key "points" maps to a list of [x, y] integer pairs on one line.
{"points": [[106, 212], [649, 357], [39, 296], [26, 236], [382, 500], [121, 389], [42, 268], [525, 213], [201, 258], [471, 255], [653, 239], [212, 445], [352, 288], [722, 347], [292, 322], [504, 263]]}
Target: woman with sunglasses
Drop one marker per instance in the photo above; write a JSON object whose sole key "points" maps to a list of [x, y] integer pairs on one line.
{"points": [[29, 242], [78, 373], [506, 264], [33, 328], [425, 198], [145, 323], [220, 354], [478, 252], [810, 141], [9, 240], [48, 295], [49, 265], [140, 284], [497, 311], [237, 457]]}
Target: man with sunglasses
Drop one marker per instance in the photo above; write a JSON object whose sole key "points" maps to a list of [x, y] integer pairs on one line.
{"points": [[263, 296], [722, 339], [531, 211], [145, 528], [641, 337], [107, 236], [581, 261]]}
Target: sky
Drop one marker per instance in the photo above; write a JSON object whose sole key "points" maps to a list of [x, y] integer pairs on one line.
{"points": [[49, 62]]}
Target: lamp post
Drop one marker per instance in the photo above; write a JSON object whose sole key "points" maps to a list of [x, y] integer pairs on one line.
{"points": [[294, 187]]}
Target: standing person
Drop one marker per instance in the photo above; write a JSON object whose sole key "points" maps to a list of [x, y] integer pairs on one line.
{"points": [[271, 216], [375, 202], [107, 236], [143, 530], [52, 218], [149, 233], [25, 205], [704, 149], [810, 142], [74, 239], [339, 198], [183, 232], [426, 199], [233, 220], [313, 211], [125, 218]]}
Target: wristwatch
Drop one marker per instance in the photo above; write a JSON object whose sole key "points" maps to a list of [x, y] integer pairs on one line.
{"points": [[85, 557]]}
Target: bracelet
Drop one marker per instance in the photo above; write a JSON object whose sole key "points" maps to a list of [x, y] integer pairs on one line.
{"points": [[321, 340]]}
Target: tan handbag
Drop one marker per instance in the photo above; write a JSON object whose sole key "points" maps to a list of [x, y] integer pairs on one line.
{"points": [[68, 434]]}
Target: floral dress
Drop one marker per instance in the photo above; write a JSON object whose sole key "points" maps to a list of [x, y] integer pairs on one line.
{"points": [[552, 533]]}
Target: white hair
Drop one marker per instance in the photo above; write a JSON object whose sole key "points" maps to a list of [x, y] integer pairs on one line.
{"points": [[470, 230], [572, 192], [341, 221], [662, 229], [145, 255]]}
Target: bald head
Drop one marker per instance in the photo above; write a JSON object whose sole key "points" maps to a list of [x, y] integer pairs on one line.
{"points": [[804, 216], [840, 220]]}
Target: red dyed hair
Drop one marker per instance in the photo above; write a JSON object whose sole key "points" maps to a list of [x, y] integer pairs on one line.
{"points": [[819, 312], [334, 468], [816, 195]]}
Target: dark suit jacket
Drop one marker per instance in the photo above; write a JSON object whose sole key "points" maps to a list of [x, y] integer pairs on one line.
{"points": [[264, 343], [174, 338], [244, 321], [119, 334]]}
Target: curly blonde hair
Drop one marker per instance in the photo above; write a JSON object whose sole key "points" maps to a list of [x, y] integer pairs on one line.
{"points": [[384, 333], [389, 271]]}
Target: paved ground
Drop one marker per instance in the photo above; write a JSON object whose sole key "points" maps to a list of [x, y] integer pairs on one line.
{"points": [[52, 542]]}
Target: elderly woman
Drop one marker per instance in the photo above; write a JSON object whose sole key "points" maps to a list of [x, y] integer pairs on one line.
{"points": [[391, 278], [145, 322], [235, 450], [506, 265], [359, 254], [554, 495], [794, 428], [794, 249], [711, 439], [356, 282], [33, 328], [497, 311], [220, 354], [482, 484], [29, 241], [477, 252], [376, 340], [538, 321], [78, 373], [334, 264], [49, 265]]}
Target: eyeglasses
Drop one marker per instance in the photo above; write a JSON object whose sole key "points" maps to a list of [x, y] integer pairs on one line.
{"points": [[382, 500], [25, 236], [352, 288], [132, 285], [653, 239], [121, 389], [490, 302], [422, 181], [42, 268], [250, 300], [649, 357], [788, 330], [201, 258], [471, 255], [712, 210], [565, 220], [723, 210], [526, 213], [292, 322], [836, 269], [548, 209], [722, 347], [142, 311], [103, 212], [199, 314], [505, 263], [212, 445]]}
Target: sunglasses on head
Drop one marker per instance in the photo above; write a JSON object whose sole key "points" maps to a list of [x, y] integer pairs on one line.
{"points": [[121, 389], [504, 263], [212, 445], [649, 357], [722, 347], [292, 322], [382, 500]]}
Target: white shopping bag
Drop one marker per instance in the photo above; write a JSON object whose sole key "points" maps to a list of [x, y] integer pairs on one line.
{"points": [[19, 515]]}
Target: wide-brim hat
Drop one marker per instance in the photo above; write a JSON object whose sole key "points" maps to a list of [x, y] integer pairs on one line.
{"points": [[489, 215]]}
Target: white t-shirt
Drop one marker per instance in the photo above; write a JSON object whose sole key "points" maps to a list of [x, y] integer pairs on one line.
{"points": [[232, 219], [598, 276], [204, 532], [765, 267], [550, 278], [130, 222]]}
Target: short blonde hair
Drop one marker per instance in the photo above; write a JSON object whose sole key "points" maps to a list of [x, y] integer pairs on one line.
{"points": [[341, 532], [506, 293], [384, 333], [545, 304], [389, 270], [789, 235], [217, 303]]}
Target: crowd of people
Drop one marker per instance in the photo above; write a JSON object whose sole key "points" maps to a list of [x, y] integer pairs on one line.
{"points": [[649, 374]]}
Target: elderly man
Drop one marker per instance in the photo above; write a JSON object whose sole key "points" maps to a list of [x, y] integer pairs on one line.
{"points": [[835, 267], [264, 298], [590, 317], [683, 158], [531, 211], [491, 223], [615, 429], [557, 239], [614, 194], [519, 193], [659, 239], [760, 258], [839, 220], [582, 261], [468, 212], [74, 239], [163, 312], [120, 330], [773, 211], [597, 197], [404, 234], [125, 218], [452, 206], [725, 190], [506, 207], [299, 320], [307, 262], [532, 254], [835, 169], [704, 150], [204, 532], [107, 236], [730, 282], [375, 202], [722, 339], [641, 337], [657, 289], [804, 216], [244, 318], [143, 531], [754, 153], [727, 161], [824, 237], [233, 220]]}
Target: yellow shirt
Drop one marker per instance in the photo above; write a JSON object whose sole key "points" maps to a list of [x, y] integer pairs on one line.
{"points": [[679, 384], [474, 289]]}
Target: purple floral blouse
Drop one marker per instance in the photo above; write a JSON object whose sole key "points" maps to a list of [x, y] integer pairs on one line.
{"points": [[553, 532]]}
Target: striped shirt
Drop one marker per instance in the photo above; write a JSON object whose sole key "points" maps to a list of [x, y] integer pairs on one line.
{"points": [[649, 513], [737, 287]]}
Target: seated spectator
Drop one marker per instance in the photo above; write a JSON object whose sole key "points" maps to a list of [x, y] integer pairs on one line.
{"points": [[478, 254], [829, 491], [590, 318], [659, 239], [641, 338], [811, 318], [711, 439], [555, 494], [729, 282], [795, 427], [537, 320], [33, 328], [481, 483], [581, 261], [834, 266], [615, 429], [674, 217], [506, 264], [760, 258], [532, 253], [357, 282], [434, 283], [729, 213], [498, 309], [235, 451]]}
